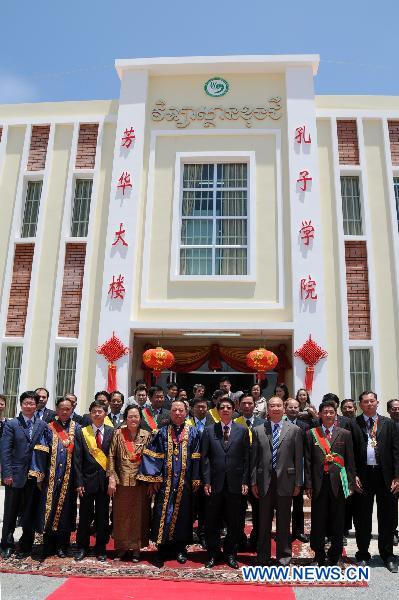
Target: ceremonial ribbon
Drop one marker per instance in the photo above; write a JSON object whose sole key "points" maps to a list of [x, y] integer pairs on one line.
{"points": [[96, 453], [66, 439], [149, 419], [242, 421], [331, 457], [131, 450], [214, 414], [107, 421]]}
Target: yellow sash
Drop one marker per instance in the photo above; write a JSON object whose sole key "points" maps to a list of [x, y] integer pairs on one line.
{"points": [[190, 421], [214, 414], [242, 421], [107, 421], [96, 453]]}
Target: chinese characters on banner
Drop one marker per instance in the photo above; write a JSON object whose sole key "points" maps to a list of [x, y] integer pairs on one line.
{"points": [[116, 288], [307, 230]]}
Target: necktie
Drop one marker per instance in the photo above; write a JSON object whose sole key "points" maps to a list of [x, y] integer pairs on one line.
{"points": [[371, 424], [226, 434], [29, 425], [200, 426], [249, 424], [114, 419], [98, 438], [328, 434], [39, 414], [276, 435]]}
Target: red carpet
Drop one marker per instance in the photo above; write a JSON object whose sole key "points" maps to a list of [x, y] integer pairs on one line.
{"points": [[148, 589]]}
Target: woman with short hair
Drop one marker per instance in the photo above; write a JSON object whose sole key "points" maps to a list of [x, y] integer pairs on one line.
{"points": [[131, 505]]}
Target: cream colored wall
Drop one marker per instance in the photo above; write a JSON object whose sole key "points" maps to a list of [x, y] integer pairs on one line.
{"points": [[382, 261], [330, 259], [188, 91], [9, 170], [94, 266], [46, 111], [357, 103], [42, 291]]}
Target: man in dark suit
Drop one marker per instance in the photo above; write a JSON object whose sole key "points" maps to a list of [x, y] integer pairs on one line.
{"points": [[200, 419], [297, 518], [90, 463], [393, 411], [42, 412], [276, 476], [171, 395], [247, 418], [377, 466], [104, 397], [329, 480], [3, 404], [22, 469], [74, 417], [155, 416], [116, 402], [225, 473]]}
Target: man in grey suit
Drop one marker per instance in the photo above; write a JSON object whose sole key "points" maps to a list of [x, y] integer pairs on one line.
{"points": [[276, 476]]}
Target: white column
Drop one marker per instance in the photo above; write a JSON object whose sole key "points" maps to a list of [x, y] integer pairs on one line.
{"points": [[123, 208], [308, 315]]}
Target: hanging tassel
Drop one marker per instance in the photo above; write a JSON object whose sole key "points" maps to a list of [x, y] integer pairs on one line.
{"points": [[111, 386], [309, 378]]}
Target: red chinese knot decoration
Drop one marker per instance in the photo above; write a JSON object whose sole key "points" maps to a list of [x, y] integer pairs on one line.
{"points": [[158, 359], [310, 353], [113, 349], [261, 360]]}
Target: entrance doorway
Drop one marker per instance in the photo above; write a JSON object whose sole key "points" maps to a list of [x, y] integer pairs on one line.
{"points": [[239, 381]]}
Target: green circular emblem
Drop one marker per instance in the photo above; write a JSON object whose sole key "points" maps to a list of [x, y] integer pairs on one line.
{"points": [[215, 87]]}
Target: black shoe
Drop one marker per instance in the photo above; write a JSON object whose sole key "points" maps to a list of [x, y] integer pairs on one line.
{"points": [[181, 558], [231, 561], [362, 563], [136, 556], [211, 562], [391, 566], [61, 553], [202, 541], [261, 562], [301, 537], [21, 554], [102, 557], [344, 541], [158, 561], [395, 539], [80, 554], [7, 553]]}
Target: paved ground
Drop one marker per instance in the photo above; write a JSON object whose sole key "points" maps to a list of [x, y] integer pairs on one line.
{"points": [[382, 585]]}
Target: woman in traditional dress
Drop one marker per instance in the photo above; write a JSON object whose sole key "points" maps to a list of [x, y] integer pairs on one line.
{"points": [[131, 505]]}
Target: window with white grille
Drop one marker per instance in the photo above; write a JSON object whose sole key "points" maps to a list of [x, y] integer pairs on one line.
{"points": [[81, 208], [360, 371], [12, 371], [66, 371], [214, 219], [351, 206], [31, 208]]}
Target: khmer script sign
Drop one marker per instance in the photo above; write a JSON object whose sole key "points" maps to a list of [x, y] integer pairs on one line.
{"points": [[210, 115]]}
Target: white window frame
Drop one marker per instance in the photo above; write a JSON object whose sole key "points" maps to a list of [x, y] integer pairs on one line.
{"points": [[213, 157], [35, 177], [360, 345], [67, 343], [352, 171], [75, 181]]}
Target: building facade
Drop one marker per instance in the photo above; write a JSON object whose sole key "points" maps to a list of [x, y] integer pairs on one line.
{"points": [[217, 206]]}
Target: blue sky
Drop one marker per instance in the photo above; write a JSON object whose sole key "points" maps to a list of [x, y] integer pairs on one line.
{"points": [[51, 51]]}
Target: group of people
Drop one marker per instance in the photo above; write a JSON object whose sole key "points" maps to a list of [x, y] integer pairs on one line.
{"points": [[150, 469]]}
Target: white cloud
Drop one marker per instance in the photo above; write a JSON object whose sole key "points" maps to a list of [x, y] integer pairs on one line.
{"points": [[15, 89]]}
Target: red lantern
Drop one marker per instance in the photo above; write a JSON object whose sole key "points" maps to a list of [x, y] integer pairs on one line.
{"points": [[310, 353], [262, 360], [113, 349], [158, 359]]}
